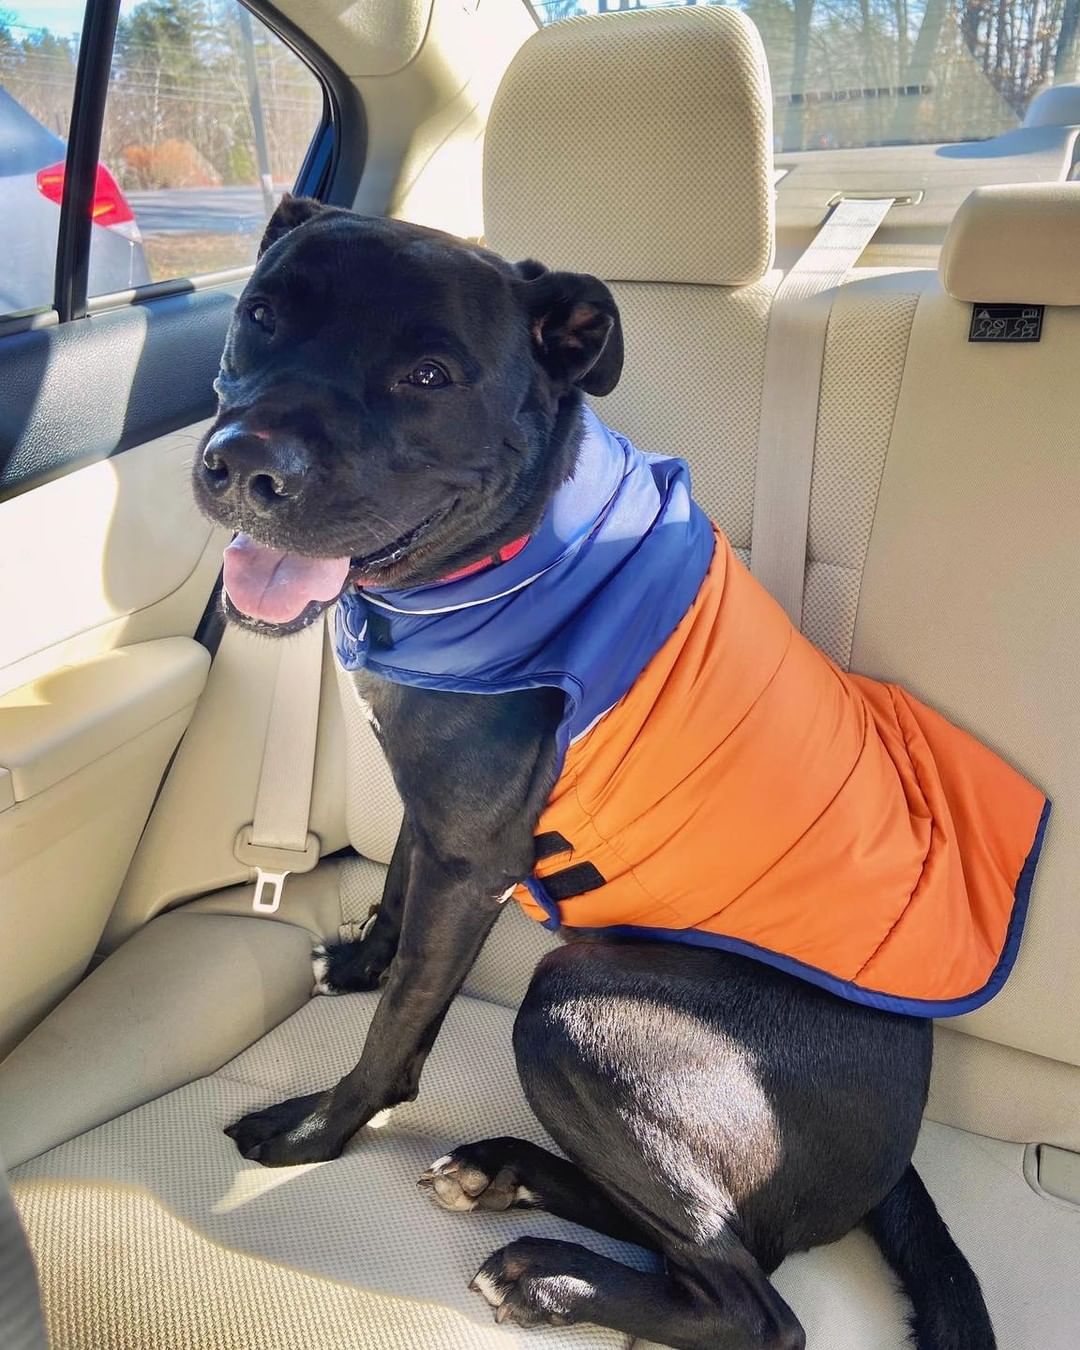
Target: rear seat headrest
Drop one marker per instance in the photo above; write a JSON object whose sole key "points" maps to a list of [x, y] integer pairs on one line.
{"points": [[1017, 244], [637, 147]]}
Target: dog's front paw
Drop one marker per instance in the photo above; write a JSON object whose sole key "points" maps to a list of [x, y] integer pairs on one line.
{"points": [[527, 1283], [300, 1130], [349, 967], [475, 1176]]}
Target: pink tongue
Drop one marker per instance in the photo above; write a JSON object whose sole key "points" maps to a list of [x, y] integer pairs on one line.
{"points": [[275, 586]]}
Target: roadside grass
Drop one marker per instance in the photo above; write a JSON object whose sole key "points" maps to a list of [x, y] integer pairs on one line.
{"points": [[189, 255]]}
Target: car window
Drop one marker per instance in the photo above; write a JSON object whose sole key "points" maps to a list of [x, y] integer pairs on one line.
{"points": [[37, 85], [208, 119], [896, 72]]}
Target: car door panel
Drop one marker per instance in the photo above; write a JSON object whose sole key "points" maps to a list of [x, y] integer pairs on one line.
{"points": [[113, 552], [105, 572], [106, 567], [83, 749], [65, 851], [155, 365]]}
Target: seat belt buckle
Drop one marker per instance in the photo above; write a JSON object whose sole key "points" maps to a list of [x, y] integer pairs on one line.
{"points": [[272, 865]]}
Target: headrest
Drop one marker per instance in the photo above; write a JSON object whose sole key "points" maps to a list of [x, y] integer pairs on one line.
{"points": [[637, 147], [1017, 244]]}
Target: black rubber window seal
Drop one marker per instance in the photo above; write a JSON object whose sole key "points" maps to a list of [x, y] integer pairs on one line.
{"points": [[84, 148]]}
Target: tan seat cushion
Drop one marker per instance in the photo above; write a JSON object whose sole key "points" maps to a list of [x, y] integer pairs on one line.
{"points": [[152, 1231]]}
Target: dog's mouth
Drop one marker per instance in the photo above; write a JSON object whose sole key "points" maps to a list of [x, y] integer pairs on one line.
{"points": [[275, 589]]}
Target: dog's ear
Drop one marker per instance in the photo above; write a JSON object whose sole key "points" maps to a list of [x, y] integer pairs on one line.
{"points": [[290, 212], [575, 327]]}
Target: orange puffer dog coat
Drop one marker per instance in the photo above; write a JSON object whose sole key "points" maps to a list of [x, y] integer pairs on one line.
{"points": [[720, 781], [748, 794]]}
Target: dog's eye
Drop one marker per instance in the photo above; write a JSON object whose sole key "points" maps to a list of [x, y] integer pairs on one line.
{"points": [[261, 314], [428, 375]]}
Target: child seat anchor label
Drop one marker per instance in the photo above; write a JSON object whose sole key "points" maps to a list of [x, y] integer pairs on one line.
{"points": [[1006, 323]]}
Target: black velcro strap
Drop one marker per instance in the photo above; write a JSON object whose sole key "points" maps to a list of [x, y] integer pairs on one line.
{"points": [[574, 880], [550, 844]]}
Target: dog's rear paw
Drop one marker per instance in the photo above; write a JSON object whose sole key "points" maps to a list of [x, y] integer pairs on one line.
{"points": [[346, 968], [475, 1177], [534, 1282]]}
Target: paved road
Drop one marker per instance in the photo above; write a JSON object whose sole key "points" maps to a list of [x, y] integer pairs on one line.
{"points": [[225, 210]]}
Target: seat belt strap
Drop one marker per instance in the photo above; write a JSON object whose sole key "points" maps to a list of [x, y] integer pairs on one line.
{"points": [[794, 354], [278, 840]]}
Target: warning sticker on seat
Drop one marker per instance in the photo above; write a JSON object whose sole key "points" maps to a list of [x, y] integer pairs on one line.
{"points": [[1006, 323]]}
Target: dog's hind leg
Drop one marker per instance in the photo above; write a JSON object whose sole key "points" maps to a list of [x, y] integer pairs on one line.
{"points": [[611, 1068], [507, 1173], [721, 1302]]}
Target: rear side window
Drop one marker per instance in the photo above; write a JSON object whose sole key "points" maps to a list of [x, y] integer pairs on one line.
{"points": [[37, 86], [208, 119], [849, 73]]}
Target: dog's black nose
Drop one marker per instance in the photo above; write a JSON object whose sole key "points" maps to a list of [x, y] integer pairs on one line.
{"points": [[261, 469]]}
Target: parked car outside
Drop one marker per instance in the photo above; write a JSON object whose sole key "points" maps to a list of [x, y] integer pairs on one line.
{"points": [[32, 160]]}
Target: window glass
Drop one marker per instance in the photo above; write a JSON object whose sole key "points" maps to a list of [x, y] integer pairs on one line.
{"points": [[37, 83], [897, 72], [208, 119]]}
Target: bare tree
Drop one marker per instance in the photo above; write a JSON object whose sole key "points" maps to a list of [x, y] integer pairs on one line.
{"points": [[795, 117]]}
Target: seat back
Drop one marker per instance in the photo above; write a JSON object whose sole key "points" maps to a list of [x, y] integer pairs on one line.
{"points": [[970, 594], [945, 501], [674, 209]]}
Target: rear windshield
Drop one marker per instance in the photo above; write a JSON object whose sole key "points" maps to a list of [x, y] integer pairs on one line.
{"points": [[896, 72]]}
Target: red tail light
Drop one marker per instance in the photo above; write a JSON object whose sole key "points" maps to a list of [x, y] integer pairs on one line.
{"points": [[109, 206]]}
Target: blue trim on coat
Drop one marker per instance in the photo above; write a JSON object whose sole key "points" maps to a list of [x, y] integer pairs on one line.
{"points": [[854, 993], [538, 891]]}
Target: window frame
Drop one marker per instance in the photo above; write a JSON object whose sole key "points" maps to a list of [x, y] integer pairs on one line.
{"points": [[331, 168]]}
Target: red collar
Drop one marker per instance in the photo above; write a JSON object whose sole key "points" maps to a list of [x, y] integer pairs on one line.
{"points": [[504, 554]]}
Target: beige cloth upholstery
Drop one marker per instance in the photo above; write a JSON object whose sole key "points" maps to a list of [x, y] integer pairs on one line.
{"points": [[151, 1231], [1015, 244], [787, 428], [372, 805], [865, 349], [971, 598], [173, 1003], [699, 348], [680, 191], [21, 1324]]}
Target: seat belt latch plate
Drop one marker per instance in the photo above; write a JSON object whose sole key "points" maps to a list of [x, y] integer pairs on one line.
{"points": [[274, 882], [272, 865]]}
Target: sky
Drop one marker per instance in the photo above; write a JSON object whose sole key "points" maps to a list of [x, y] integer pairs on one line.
{"points": [[58, 16]]}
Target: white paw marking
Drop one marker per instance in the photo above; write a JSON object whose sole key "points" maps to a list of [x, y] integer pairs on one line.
{"points": [[452, 1197], [380, 1118], [489, 1288], [506, 895], [320, 964], [523, 1196]]}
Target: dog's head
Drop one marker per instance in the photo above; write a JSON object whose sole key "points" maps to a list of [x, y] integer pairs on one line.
{"points": [[394, 404]]}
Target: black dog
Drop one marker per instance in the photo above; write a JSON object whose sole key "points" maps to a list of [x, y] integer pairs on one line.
{"points": [[408, 402]]}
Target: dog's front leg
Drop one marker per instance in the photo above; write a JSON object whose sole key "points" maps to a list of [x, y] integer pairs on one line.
{"points": [[474, 772], [447, 917]]}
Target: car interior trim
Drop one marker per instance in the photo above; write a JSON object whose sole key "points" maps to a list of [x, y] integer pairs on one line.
{"points": [[84, 147]]}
